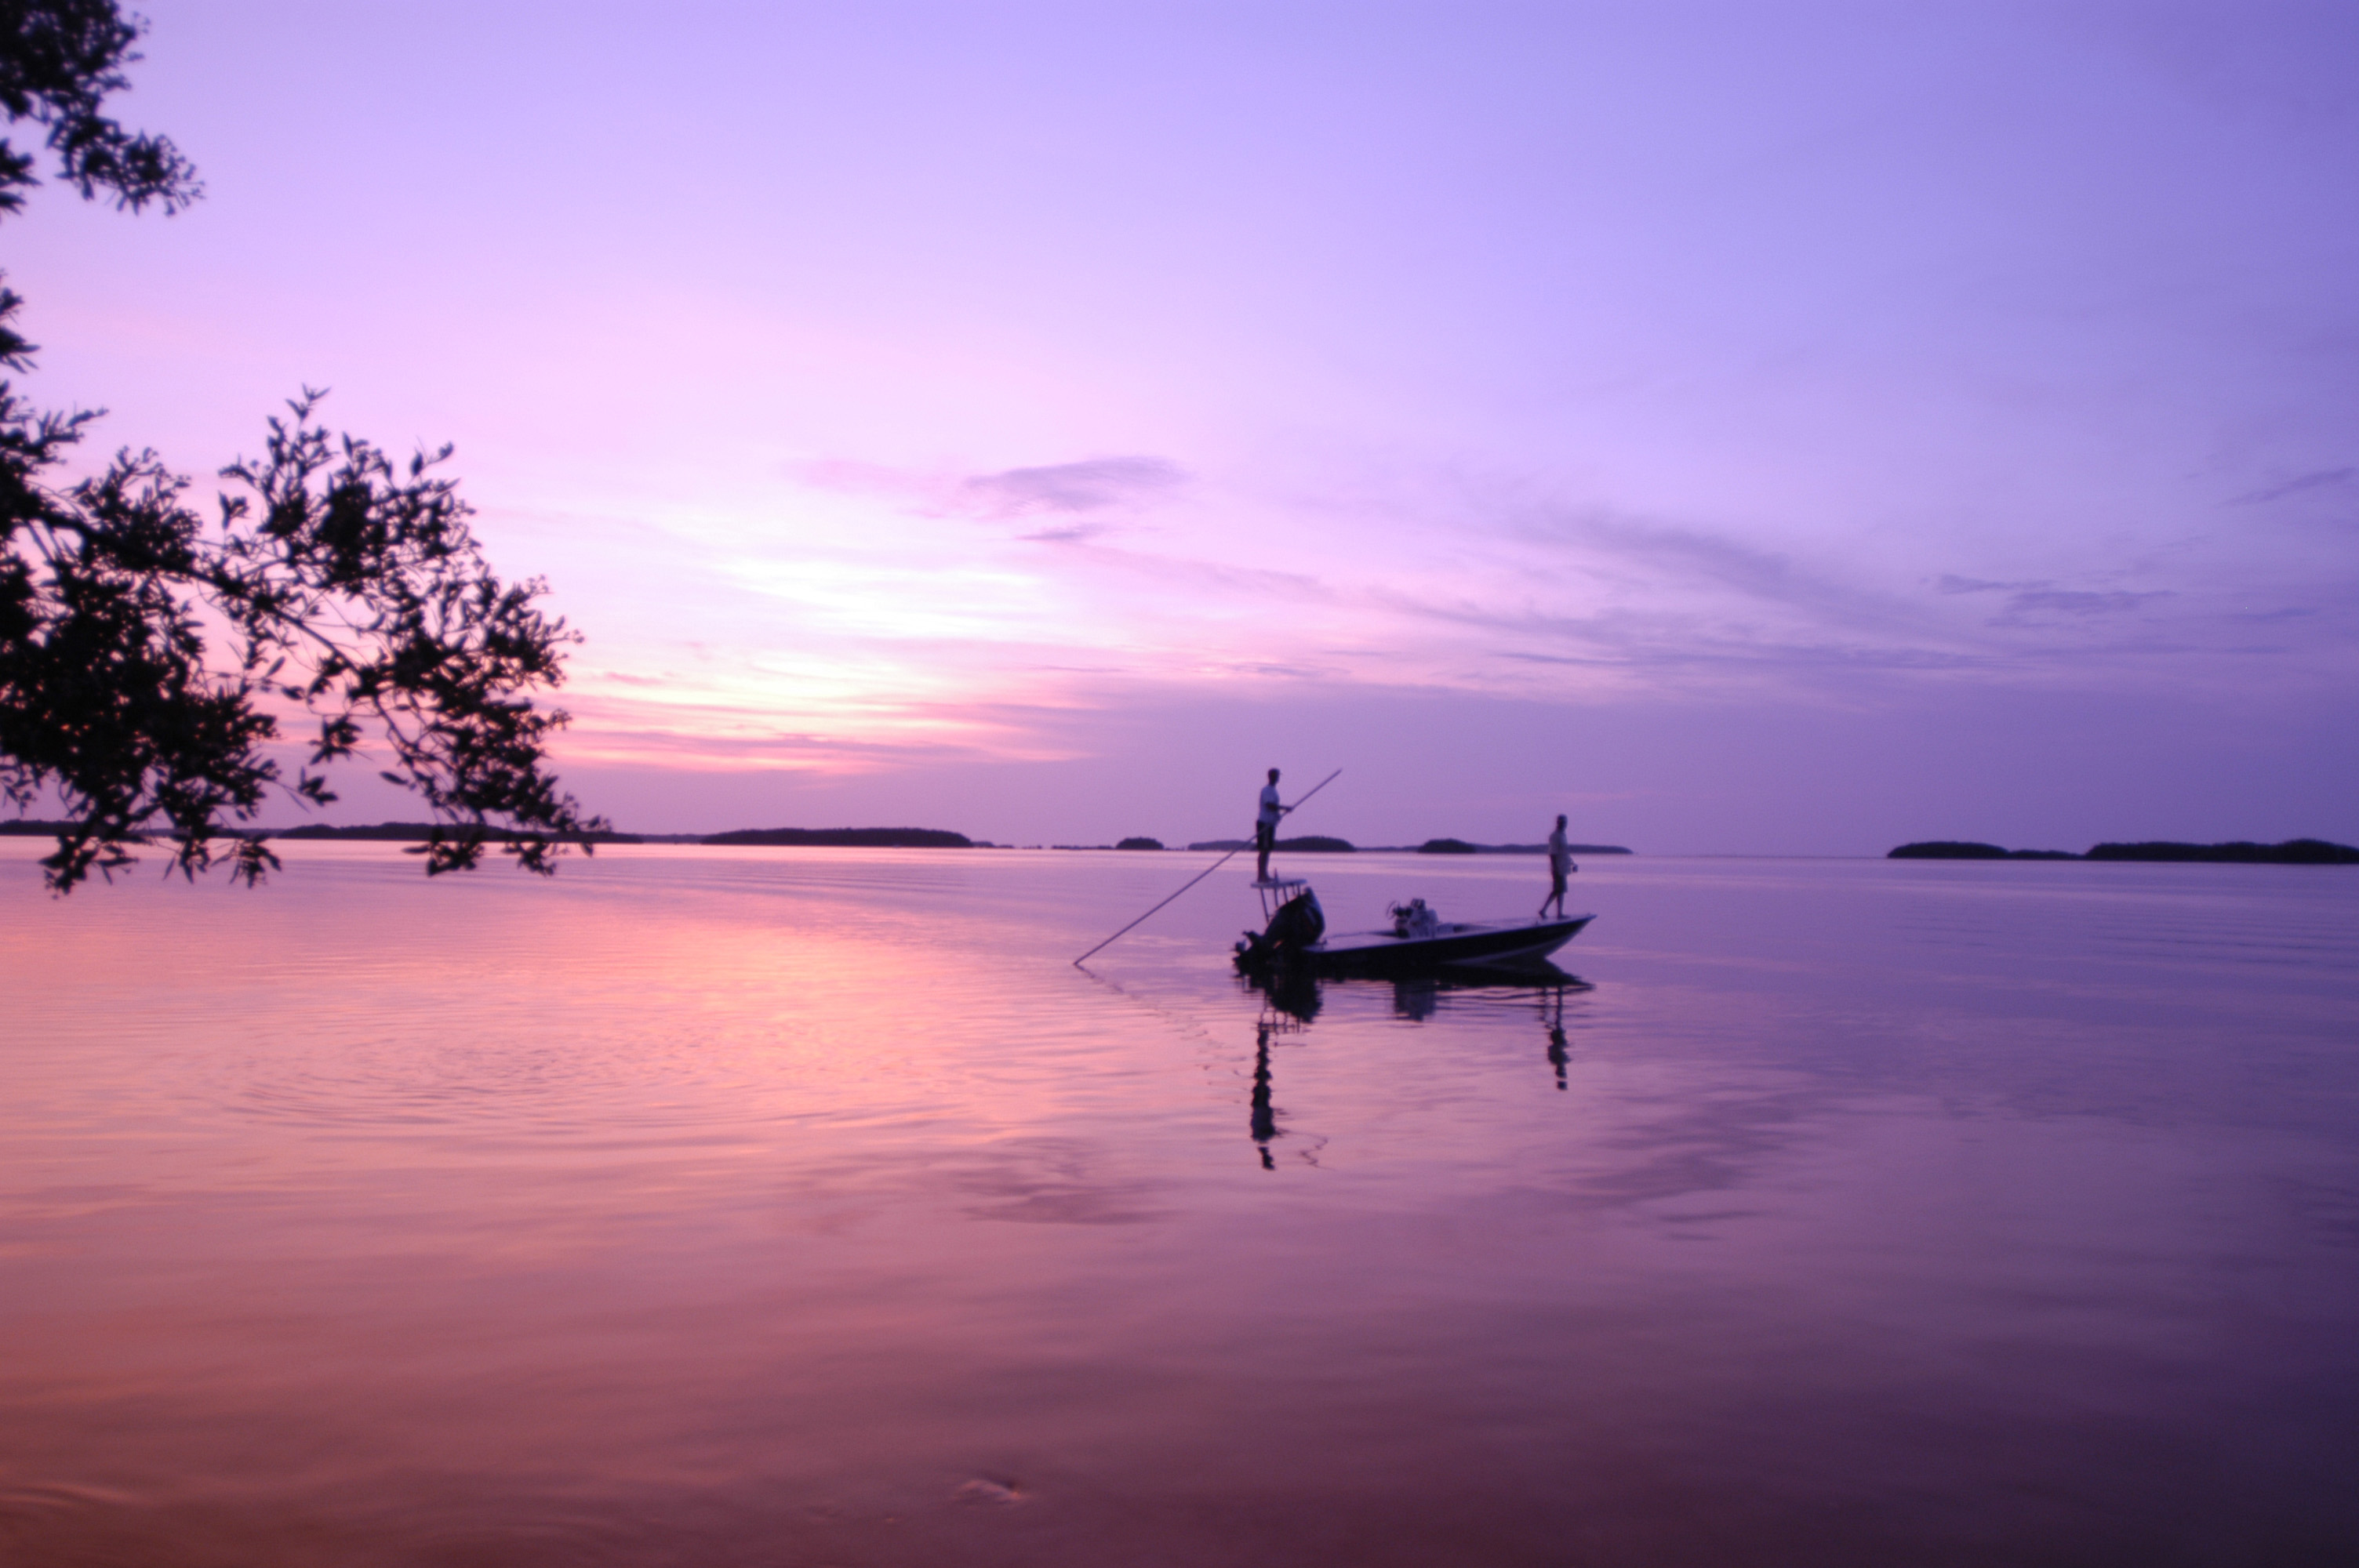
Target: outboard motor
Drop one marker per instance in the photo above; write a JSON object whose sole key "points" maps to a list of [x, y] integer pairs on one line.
{"points": [[1298, 923], [1413, 919]]}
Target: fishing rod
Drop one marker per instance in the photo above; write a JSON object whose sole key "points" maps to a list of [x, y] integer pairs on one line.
{"points": [[1207, 871]]}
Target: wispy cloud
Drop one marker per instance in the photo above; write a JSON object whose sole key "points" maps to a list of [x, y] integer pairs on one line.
{"points": [[1081, 499], [2027, 602], [2324, 479], [1071, 533], [1681, 563], [2070, 601], [1950, 582], [1093, 484]]}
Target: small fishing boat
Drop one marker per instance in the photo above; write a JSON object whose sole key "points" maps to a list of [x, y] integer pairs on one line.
{"points": [[1419, 938]]}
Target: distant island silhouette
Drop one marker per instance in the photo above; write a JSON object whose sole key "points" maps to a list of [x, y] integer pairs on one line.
{"points": [[413, 833], [2292, 852], [848, 838], [1961, 849], [389, 832], [1461, 846], [836, 838]]}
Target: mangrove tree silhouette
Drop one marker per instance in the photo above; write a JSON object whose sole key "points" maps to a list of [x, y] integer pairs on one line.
{"points": [[340, 586]]}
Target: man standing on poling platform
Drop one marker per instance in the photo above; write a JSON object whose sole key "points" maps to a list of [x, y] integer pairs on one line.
{"points": [[1266, 828], [1560, 866]]}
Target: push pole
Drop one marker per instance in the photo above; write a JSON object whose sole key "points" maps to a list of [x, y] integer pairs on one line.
{"points": [[1199, 877], [1207, 871]]}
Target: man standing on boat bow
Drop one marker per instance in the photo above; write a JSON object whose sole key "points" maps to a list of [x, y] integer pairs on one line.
{"points": [[1560, 866], [1266, 827]]}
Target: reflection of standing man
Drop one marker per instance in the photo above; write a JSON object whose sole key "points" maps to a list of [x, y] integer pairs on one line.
{"points": [[1266, 827], [1560, 866], [1264, 1116], [1559, 1049]]}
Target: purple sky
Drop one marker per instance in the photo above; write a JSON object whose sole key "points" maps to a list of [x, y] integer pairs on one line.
{"points": [[1752, 428]]}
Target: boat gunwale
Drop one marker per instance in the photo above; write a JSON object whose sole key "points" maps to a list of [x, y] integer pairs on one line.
{"points": [[1442, 949]]}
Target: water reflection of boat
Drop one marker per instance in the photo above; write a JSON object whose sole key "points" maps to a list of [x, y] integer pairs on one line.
{"points": [[1420, 996], [1295, 937], [1299, 994], [1290, 991], [1293, 996]]}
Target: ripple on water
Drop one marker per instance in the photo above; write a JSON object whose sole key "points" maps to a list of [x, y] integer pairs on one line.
{"points": [[373, 1084], [784, 1050]]}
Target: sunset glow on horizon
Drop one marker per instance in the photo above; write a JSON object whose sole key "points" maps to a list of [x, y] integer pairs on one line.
{"points": [[1787, 431]]}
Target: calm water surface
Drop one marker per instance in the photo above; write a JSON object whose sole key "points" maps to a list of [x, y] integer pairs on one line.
{"points": [[779, 1206]]}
